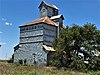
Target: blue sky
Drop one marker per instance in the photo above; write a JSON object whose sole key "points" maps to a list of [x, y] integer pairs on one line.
{"points": [[14, 13]]}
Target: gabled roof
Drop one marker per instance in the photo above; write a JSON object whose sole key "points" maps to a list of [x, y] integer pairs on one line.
{"points": [[57, 16], [41, 20], [48, 48], [49, 5]]}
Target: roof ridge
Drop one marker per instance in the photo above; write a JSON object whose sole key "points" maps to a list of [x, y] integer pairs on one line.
{"points": [[53, 22], [44, 19], [50, 5]]}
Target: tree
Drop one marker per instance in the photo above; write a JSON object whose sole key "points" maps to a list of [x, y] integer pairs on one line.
{"points": [[75, 40]]}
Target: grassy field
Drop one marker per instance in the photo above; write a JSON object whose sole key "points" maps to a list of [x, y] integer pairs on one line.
{"points": [[11, 69]]}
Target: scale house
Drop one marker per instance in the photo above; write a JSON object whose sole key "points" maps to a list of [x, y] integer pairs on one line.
{"points": [[36, 37]]}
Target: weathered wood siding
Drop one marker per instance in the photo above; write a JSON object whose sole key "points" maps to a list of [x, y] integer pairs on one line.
{"points": [[49, 34], [43, 12], [26, 53], [31, 41], [48, 11]]}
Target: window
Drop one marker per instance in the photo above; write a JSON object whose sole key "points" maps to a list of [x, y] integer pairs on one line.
{"points": [[29, 28], [26, 28], [25, 61], [43, 10], [33, 27], [22, 29], [20, 62]]}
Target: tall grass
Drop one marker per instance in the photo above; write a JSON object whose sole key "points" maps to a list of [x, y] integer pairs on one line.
{"points": [[13, 69]]}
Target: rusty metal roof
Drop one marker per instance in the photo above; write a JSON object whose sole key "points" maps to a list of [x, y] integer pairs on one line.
{"points": [[41, 20], [64, 27]]}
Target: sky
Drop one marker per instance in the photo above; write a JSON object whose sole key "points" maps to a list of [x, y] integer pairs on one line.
{"points": [[14, 13]]}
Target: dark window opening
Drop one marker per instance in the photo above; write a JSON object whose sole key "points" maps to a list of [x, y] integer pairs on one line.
{"points": [[43, 10], [35, 27], [25, 61], [20, 62]]}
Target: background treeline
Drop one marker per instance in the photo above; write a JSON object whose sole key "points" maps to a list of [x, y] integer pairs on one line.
{"points": [[77, 48]]}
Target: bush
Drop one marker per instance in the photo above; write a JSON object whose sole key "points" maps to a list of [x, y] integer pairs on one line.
{"points": [[78, 64], [10, 60]]}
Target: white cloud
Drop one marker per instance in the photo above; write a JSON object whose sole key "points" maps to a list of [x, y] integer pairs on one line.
{"points": [[1, 32], [2, 43], [8, 23], [3, 19]]}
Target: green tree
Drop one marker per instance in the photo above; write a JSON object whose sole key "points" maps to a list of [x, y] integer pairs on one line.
{"points": [[71, 42]]}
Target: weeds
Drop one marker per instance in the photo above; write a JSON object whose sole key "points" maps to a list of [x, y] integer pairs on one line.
{"points": [[13, 69]]}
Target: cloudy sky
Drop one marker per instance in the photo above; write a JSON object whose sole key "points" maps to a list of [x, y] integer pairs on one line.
{"points": [[14, 13]]}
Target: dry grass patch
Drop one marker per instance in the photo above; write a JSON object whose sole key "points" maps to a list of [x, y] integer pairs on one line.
{"points": [[13, 69]]}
